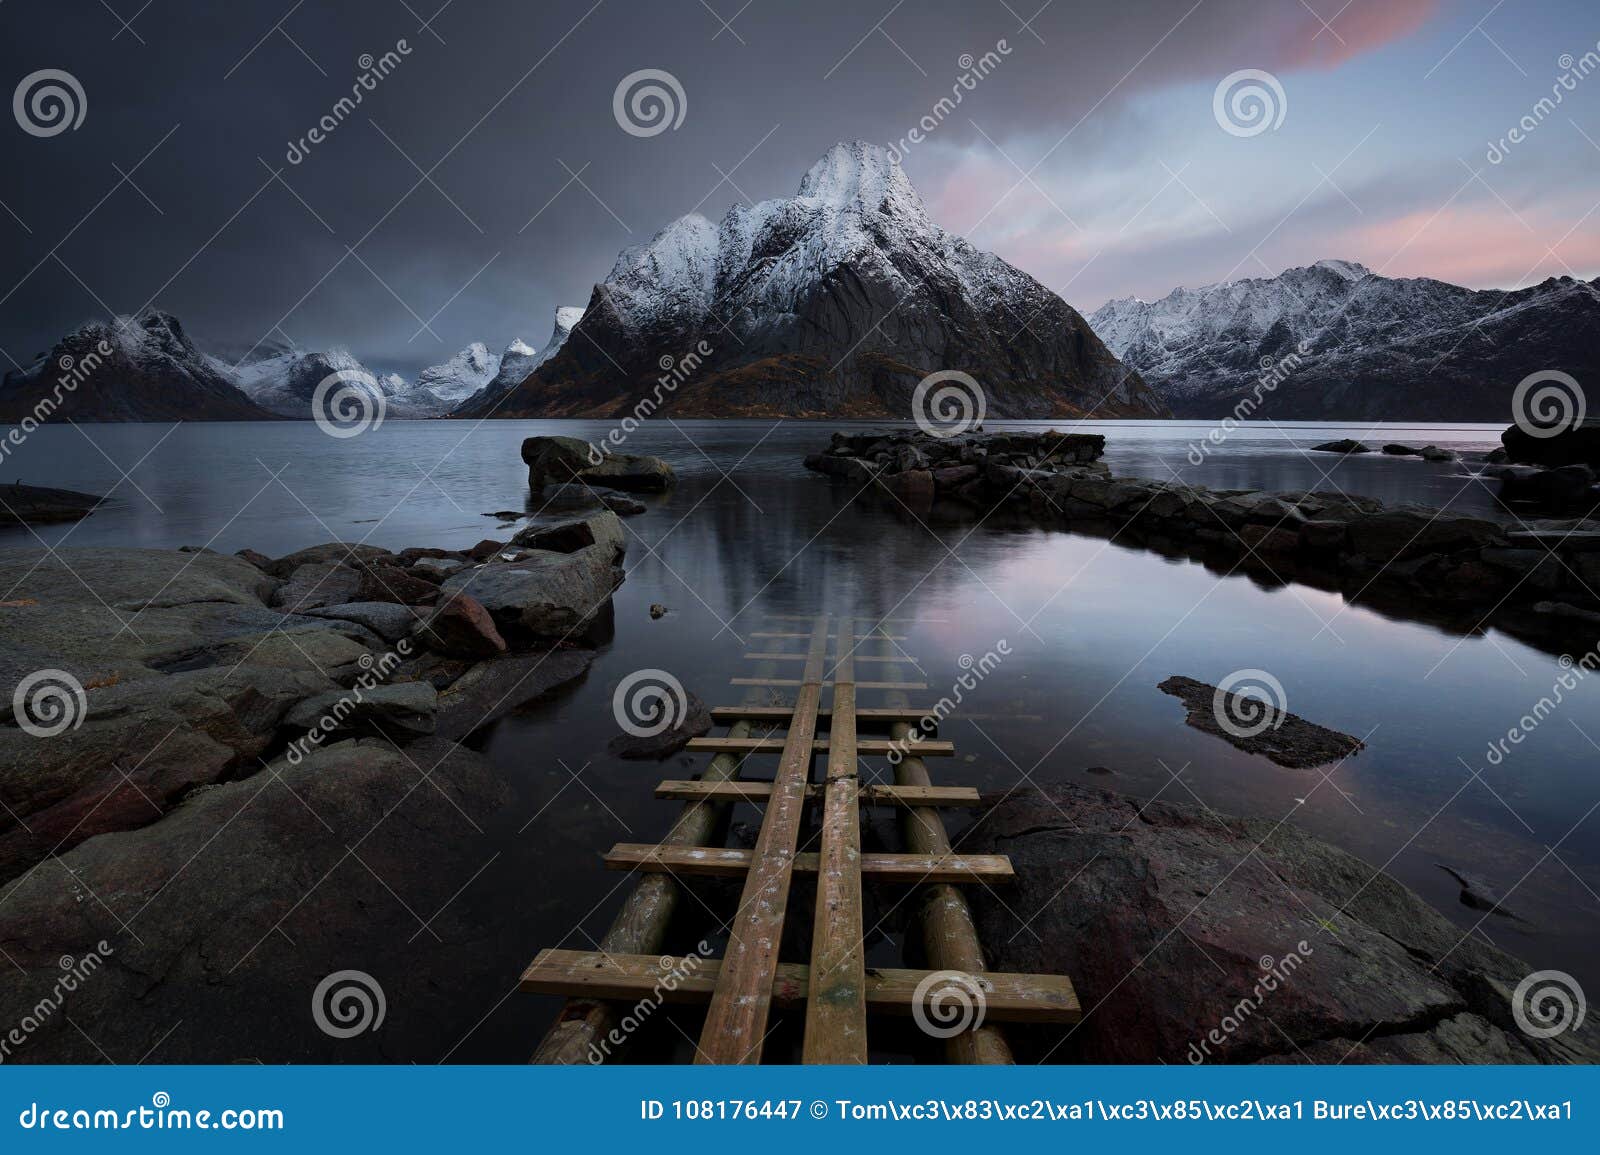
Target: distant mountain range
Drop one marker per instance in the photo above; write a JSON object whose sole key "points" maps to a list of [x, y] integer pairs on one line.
{"points": [[1339, 342], [837, 302], [146, 368], [840, 300]]}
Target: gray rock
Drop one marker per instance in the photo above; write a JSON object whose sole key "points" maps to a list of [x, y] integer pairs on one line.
{"points": [[603, 528], [571, 459], [1259, 727], [544, 595], [399, 708], [1345, 446], [315, 585], [490, 690], [31, 505], [233, 907], [696, 721], [389, 621], [436, 569], [1167, 915], [338, 552]]}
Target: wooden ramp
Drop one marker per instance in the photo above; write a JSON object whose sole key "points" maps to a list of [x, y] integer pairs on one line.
{"points": [[837, 989]]}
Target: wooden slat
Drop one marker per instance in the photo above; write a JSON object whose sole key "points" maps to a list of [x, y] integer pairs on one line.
{"points": [[879, 658], [736, 1022], [780, 682], [836, 1011], [756, 792], [867, 746], [724, 862], [1017, 998], [875, 714], [859, 637]]}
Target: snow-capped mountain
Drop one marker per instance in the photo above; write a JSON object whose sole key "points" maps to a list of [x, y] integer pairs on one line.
{"points": [[142, 368], [1334, 341], [520, 359], [835, 301], [283, 378], [460, 377]]}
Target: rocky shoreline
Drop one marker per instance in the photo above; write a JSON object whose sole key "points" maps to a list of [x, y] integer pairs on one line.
{"points": [[1197, 937], [1538, 579]]}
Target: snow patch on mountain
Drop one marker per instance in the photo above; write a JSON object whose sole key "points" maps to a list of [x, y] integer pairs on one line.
{"points": [[461, 376]]}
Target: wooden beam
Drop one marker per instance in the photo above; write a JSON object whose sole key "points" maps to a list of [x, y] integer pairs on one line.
{"points": [[722, 862], [867, 746], [875, 715], [836, 1011], [1022, 998], [756, 792], [640, 927], [949, 935], [880, 658], [736, 1022], [859, 637], [780, 682]]}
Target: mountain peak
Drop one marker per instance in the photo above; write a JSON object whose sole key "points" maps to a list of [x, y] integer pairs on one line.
{"points": [[1349, 270], [859, 174]]}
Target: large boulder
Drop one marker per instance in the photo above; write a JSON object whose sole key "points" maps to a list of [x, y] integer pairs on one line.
{"points": [[234, 907], [600, 528], [1197, 937], [395, 710], [564, 459], [1575, 445], [544, 595], [461, 628]]}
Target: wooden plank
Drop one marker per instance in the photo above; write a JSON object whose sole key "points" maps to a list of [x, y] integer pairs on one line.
{"points": [[875, 715], [879, 658], [640, 926], [867, 746], [736, 1021], [757, 792], [1017, 998], [723, 862], [780, 682], [859, 637], [836, 1011]]}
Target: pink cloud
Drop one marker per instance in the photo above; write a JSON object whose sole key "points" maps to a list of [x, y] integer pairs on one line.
{"points": [[1364, 26], [1481, 245]]}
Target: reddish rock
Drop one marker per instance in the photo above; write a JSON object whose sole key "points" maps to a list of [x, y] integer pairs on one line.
{"points": [[387, 583], [485, 549], [462, 628]]}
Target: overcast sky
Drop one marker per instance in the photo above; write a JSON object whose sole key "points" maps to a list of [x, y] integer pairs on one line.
{"points": [[486, 179]]}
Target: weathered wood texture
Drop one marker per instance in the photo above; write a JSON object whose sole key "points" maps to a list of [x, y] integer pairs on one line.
{"points": [[736, 1022], [836, 1011], [726, 862], [1007, 997], [745, 791], [949, 936]]}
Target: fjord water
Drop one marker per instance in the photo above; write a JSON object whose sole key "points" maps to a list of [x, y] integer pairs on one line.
{"points": [[1092, 626]]}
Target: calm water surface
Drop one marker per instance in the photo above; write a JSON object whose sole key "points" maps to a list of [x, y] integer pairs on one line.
{"points": [[1092, 628]]}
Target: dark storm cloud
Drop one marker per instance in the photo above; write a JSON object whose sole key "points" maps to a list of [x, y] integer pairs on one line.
{"points": [[484, 180]]}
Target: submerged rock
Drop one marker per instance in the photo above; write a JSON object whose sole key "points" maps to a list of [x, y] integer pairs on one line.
{"points": [[32, 505], [1478, 894], [1259, 727], [1346, 446], [1197, 937], [695, 722]]}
